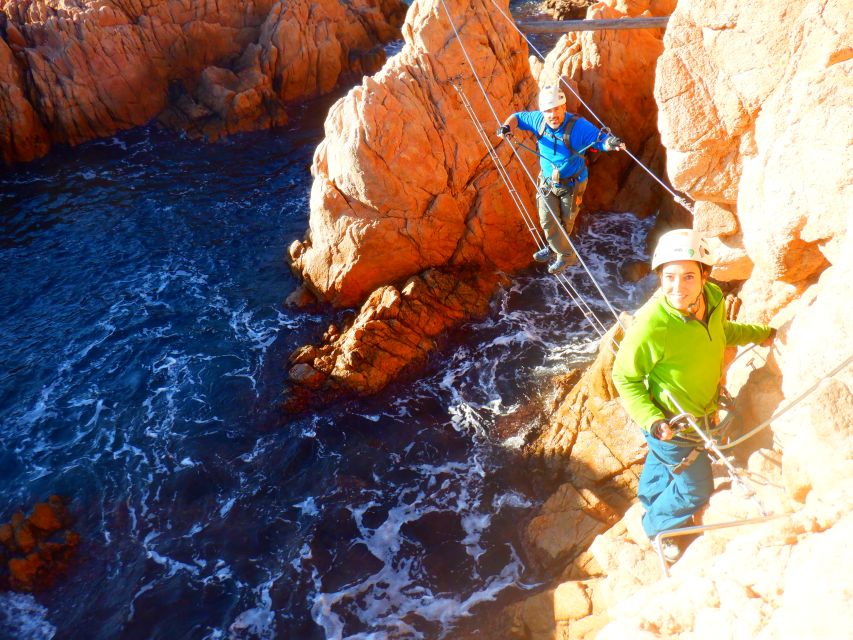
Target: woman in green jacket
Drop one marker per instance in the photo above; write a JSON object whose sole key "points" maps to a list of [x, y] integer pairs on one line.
{"points": [[676, 345]]}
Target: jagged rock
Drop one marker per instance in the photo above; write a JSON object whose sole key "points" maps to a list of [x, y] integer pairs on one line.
{"points": [[566, 9], [731, 261], [71, 72], [566, 611], [590, 436], [395, 329], [401, 182], [300, 298], [734, 125], [566, 525], [22, 135], [712, 219], [614, 72]]}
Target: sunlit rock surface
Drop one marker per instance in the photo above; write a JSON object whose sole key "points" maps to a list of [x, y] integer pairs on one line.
{"points": [[750, 93]]}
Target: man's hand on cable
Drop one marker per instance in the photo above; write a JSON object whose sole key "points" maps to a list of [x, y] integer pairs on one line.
{"points": [[661, 430], [611, 143], [502, 130]]}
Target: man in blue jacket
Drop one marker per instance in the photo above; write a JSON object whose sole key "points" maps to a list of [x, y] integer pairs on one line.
{"points": [[562, 139]]}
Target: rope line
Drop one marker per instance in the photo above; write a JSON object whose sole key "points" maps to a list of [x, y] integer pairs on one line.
{"points": [[566, 235], [679, 199]]}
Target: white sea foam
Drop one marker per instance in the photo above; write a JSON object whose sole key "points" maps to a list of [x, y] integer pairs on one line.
{"points": [[21, 616]]}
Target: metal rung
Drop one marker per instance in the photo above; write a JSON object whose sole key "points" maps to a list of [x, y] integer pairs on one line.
{"points": [[672, 533]]}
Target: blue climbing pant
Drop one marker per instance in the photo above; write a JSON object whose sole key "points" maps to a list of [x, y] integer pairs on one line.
{"points": [[670, 499]]}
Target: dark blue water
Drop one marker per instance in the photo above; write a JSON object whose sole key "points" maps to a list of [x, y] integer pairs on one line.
{"points": [[142, 349]]}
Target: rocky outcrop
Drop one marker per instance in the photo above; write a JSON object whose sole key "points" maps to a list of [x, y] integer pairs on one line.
{"points": [[71, 72], [734, 126], [35, 548], [566, 9], [394, 331], [402, 183], [614, 72], [760, 135]]}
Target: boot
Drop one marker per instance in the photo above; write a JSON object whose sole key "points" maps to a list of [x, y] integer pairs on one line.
{"points": [[563, 262], [543, 255], [671, 550]]}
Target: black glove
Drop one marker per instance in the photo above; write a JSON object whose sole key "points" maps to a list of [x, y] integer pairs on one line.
{"points": [[657, 425], [612, 142], [502, 130]]}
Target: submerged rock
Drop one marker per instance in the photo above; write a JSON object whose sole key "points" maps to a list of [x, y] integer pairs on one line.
{"points": [[35, 549]]}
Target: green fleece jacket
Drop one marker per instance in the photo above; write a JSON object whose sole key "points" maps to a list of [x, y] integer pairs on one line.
{"points": [[664, 349]]}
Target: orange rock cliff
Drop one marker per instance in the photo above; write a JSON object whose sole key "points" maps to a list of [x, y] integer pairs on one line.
{"points": [[76, 70]]}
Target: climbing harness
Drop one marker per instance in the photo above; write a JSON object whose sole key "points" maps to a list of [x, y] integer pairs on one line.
{"points": [[679, 199], [765, 517], [711, 446]]}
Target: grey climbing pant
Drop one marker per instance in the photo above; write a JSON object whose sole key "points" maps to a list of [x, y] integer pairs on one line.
{"points": [[565, 204]]}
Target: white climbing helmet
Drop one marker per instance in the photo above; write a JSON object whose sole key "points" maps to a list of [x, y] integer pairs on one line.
{"points": [[550, 97], [681, 244]]}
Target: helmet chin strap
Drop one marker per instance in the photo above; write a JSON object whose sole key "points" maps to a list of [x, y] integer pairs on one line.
{"points": [[694, 306]]}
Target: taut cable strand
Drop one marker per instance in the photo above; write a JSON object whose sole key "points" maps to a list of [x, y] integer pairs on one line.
{"points": [[515, 152], [787, 407], [502, 172], [566, 236], [679, 199]]}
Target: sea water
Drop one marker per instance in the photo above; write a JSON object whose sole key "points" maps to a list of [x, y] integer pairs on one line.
{"points": [[143, 347]]}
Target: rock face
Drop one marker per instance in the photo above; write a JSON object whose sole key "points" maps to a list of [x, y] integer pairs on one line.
{"points": [[739, 84], [71, 72], [566, 9], [401, 181], [614, 72], [734, 125], [403, 185]]}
